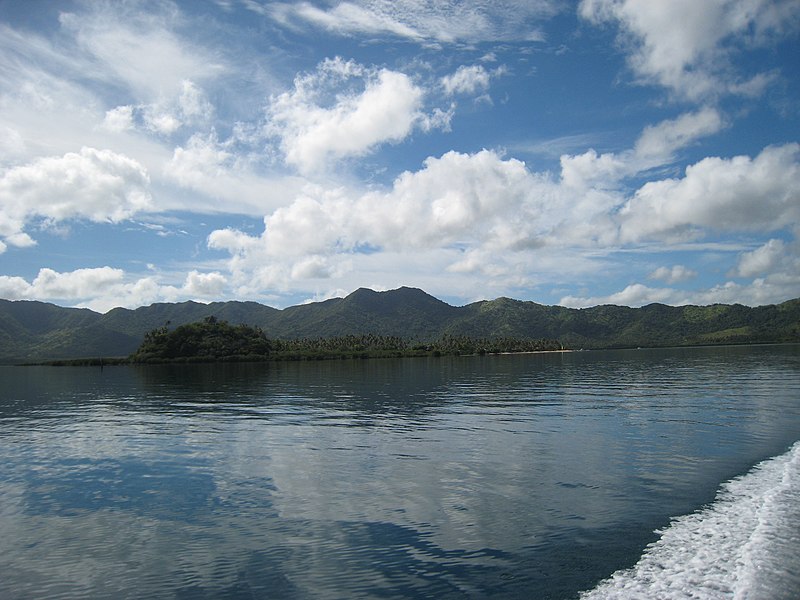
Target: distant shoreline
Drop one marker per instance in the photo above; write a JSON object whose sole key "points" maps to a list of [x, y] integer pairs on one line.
{"points": [[113, 362], [405, 320], [117, 362]]}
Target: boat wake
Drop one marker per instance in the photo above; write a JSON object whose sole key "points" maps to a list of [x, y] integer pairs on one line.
{"points": [[744, 545]]}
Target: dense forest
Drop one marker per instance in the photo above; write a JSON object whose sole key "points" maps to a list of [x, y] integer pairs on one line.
{"points": [[36, 331], [216, 340], [206, 340]]}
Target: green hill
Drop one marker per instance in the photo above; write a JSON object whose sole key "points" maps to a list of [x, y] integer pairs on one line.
{"points": [[37, 331]]}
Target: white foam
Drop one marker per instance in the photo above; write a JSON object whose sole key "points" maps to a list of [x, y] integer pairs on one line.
{"points": [[745, 545]]}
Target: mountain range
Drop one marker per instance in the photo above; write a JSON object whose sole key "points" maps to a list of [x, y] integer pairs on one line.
{"points": [[36, 331]]}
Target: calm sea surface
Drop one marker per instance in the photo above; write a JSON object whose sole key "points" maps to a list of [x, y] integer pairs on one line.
{"points": [[648, 473]]}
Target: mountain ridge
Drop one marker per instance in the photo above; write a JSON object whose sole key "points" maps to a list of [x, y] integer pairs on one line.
{"points": [[37, 331]]}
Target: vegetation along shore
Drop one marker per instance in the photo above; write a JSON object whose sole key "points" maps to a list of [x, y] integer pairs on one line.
{"points": [[401, 322]]}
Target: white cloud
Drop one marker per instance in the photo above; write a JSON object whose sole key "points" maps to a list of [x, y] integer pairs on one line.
{"points": [[14, 288], [773, 289], [633, 295], [20, 240], [82, 283], [204, 285], [139, 86], [193, 103], [190, 107], [12, 144], [345, 18], [655, 147], [759, 292], [222, 179], [199, 162], [44, 96], [467, 80], [312, 134], [683, 45], [437, 119], [426, 21], [455, 202], [57, 89], [453, 198], [159, 121], [98, 185], [718, 194], [133, 294], [140, 50], [659, 142], [772, 256], [480, 217], [104, 288], [52, 285], [119, 119], [593, 170], [674, 274]]}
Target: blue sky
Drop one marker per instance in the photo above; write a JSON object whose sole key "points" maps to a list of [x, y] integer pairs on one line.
{"points": [[573, 153]]}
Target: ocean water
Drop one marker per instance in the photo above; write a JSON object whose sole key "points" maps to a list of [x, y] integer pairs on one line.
{"points": [[624, 474]]}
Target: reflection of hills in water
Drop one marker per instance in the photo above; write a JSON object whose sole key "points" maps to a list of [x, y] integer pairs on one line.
{"points": [[411, 386], [501, 476], [38, 331]]}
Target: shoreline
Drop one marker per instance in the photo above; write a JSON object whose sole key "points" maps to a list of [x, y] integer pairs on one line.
{"points": [[119, 361], [124, 362]]}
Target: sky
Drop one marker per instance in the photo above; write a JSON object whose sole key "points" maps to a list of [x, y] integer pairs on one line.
{"points": [[573, 153]]}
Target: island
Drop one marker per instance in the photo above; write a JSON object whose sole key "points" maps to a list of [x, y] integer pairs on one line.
{"points": [[216, 340]]}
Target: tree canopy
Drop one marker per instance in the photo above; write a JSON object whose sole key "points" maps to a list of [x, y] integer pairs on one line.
{"points": [[216, 340], [207, 340]]}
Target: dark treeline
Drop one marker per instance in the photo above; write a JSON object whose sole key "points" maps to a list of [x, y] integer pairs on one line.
{"points": [[207, 340], [216, 340]]}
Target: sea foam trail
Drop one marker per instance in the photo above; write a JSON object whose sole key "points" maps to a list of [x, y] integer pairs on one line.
{"points": [[745, 545]]}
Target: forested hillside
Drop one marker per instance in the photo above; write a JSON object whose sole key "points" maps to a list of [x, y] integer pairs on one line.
{"points": [[37, 331]]}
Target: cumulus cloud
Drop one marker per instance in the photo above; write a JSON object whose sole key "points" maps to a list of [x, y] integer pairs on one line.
{"points": [[322, 119], [453, 198], [190, 107], [424, 21], [458, 197], [684, 45], [135, 85], [467, 80], [50, 284], [223, 180], [458, 208], [718, 194], [633, 295], [204, 285], [658, 143], [14, 288], [674, 274], [81, 283], [593, 170], [201, 160], [135, 292], [775, 255], [655, 147], [759, 292], [104, 288], [119, 119], [99, 185], [482, 215]]}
